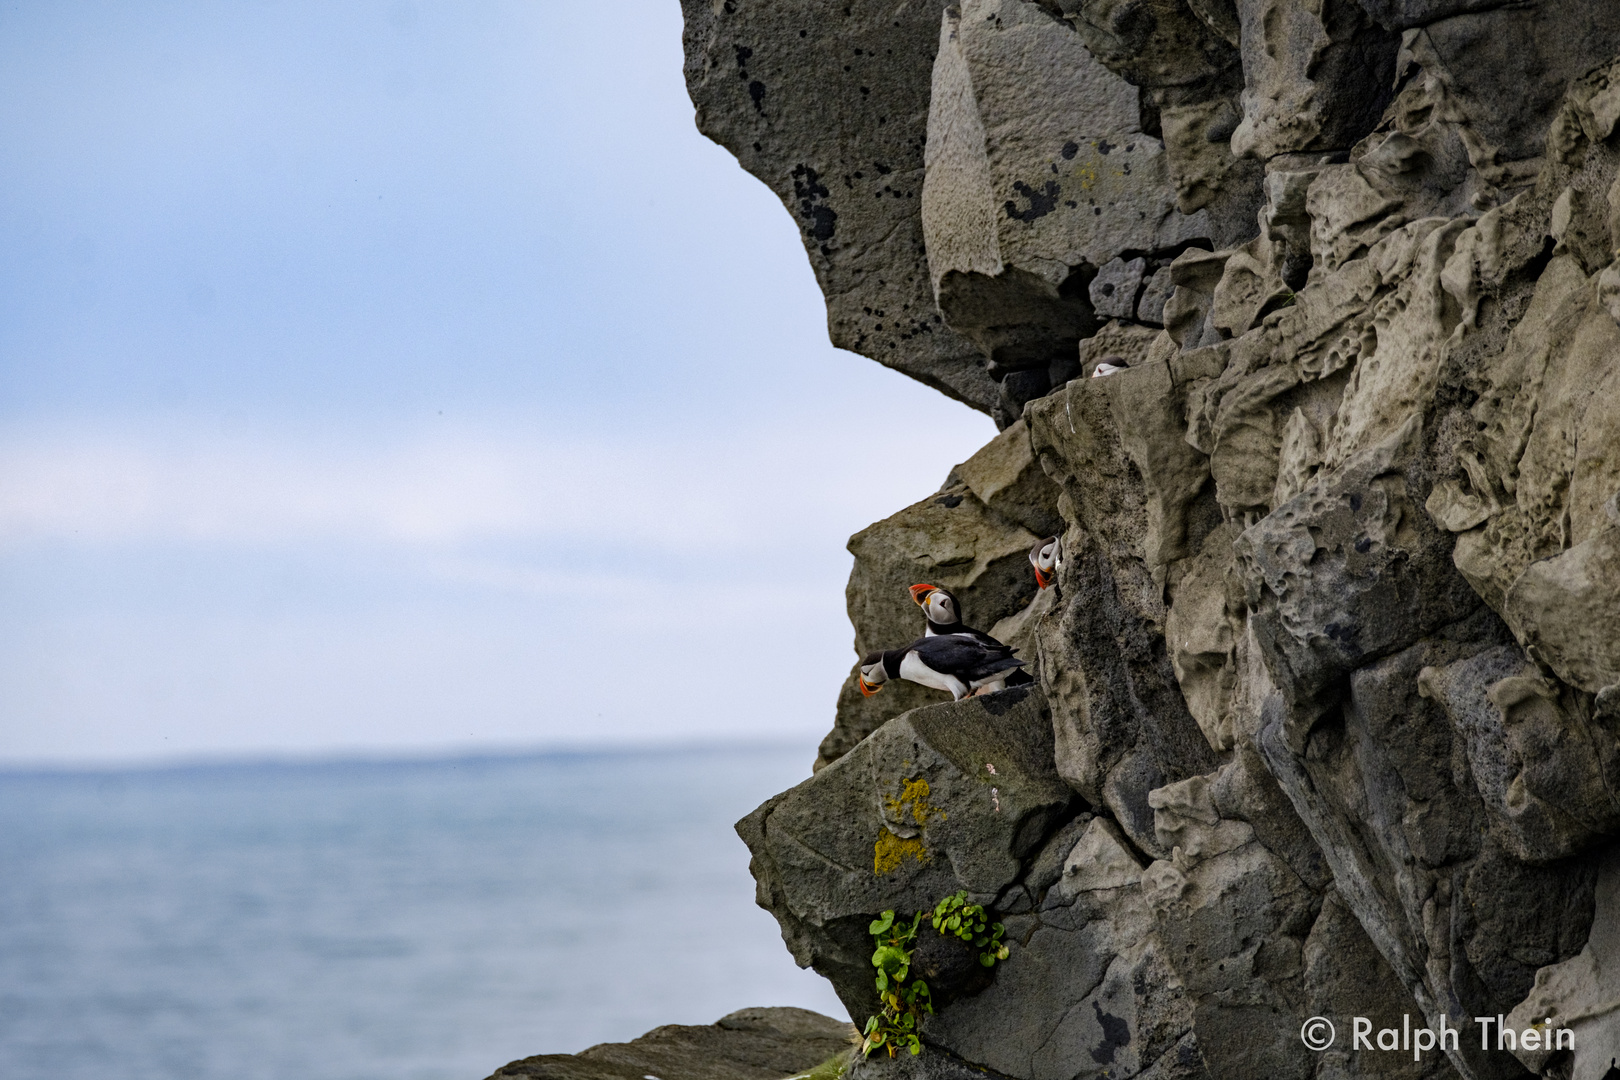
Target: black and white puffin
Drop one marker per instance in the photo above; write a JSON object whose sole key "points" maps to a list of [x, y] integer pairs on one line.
{"points": [[1046, 557], [956, 663], [944, 614]]}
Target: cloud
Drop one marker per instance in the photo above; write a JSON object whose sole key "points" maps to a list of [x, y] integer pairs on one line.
{"points": [[751, 490], [178, 587]]}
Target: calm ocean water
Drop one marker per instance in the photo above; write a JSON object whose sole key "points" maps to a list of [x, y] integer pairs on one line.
{"points": [[408, 921]]}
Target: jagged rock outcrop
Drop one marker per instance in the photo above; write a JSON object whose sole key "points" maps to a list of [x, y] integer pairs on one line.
{"points": [[1326, 714], [972, 537], [750, 1044], [965, 796], [946, 797], [1584, 992], [828, 105], [1038, 174], [1123, 726]]}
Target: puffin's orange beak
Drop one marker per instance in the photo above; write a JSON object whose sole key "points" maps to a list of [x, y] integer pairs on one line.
{"points": [[919, 594], [1043, 580], [867, 689]]}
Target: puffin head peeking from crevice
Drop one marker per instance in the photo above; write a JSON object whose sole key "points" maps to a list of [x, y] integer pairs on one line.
{"points": [[1047, 558], [956, 663]]}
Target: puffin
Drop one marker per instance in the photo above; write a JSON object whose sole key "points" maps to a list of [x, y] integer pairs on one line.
{"points": [[956, 663], [944, 616], [1108, 365], [1046, 557]]}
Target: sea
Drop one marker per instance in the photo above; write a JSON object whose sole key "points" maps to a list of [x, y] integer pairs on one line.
{"points": [[362, 920]]}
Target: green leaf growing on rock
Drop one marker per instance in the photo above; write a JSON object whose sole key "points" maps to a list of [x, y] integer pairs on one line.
{"points": [[970, 922], [906, 1000]]}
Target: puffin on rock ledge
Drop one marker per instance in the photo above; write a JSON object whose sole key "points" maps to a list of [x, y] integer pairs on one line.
{"points": [[944, 615], [956, 663]]}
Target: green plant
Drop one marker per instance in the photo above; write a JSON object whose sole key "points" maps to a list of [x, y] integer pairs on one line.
{"points": [[904, 999], [971, 923]]}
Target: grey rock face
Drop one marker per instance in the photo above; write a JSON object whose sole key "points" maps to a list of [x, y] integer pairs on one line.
{"points": [[1089, 995], [1258, 935], [828, 106], [1150, 309], [1583, 993], [1130, 485], [1007, 477], [1539, 50], [1115, 288], [1185, 59], [1348, 571], [973, 538], [915, 813], [948, 797], [1327, 711], [1038, 173], [932, 1064], [750, 1044], [1316, 77]]}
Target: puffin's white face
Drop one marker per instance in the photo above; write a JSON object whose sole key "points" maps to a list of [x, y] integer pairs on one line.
{"points": [[872, 677], [940, 608], [1044, 559]]}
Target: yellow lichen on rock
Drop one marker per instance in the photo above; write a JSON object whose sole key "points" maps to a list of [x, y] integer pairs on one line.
{"points": [[891, 850], [913, 797]]}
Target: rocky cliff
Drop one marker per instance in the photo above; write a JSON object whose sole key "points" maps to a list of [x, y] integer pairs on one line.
{"points": [[751, 1044], [1326, 719]]}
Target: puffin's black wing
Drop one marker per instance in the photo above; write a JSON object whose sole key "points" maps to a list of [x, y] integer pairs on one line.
{"points": [[967, 658], [981, 636], [941, 629], [994, 667]]}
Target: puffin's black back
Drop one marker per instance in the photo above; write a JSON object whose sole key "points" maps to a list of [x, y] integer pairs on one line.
{"points": [[965, 657]]}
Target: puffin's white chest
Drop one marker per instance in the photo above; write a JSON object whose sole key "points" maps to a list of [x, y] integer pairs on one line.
{"points": [[913, 669]]}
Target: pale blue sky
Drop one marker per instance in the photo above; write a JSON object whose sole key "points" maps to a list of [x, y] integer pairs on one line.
{"points": [[368, 369]]}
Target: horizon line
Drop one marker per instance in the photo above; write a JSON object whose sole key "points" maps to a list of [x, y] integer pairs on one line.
{"points": [[363, 758]]}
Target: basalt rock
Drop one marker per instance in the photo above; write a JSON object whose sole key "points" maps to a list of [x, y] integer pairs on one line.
{"points": [[956, 796], [827, 104], [973, 538], [1583, 992], [1038, 173], [1185, 59], [966, 796], [1246, 909], [1131, 488], [750, 1044], [1326, 720]]}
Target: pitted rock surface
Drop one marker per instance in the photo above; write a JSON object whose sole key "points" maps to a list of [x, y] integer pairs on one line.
{"points": [[750, 1044], [1325, 718]]}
